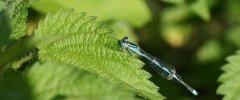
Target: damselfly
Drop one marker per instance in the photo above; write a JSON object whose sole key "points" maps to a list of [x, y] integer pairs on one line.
{"points": [[164, 69]]}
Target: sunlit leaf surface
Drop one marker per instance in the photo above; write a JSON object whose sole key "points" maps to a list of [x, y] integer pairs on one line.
{"points": [[76, 39]]}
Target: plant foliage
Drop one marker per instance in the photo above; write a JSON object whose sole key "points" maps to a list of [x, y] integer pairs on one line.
{"points": [[56, 82], [106, 10], [17, 11], [5, 27], [230, 80], [50, 50], [76, 39]]}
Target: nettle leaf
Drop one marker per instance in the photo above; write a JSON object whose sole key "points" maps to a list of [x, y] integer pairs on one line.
{"points": [[134, 12], [14, 87], [17, 11], [230, 80], [4, 24], [53, 82], [3, 5], [75, 39], [58, 82]]}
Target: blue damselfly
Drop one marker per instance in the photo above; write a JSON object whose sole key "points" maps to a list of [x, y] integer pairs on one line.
{"points": [[164, 69]]}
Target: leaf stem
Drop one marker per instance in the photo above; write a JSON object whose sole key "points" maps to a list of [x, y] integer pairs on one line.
{"points": [[16, 50]]}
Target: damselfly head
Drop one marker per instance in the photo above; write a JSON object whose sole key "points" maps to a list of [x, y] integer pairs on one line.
{"points": [[123, 42]]}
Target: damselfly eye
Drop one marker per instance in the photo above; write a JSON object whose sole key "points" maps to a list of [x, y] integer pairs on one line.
{"points": [[125, 37]]}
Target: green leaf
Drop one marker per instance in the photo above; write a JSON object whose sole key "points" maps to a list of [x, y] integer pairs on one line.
{"points": [[52, 81], [134, 12], [17, 11], [75, 39], [55, 82], [230, 80], [201, 8], [231, 11], [174, 14], [4, 24], [3, 5], [232, 35], [16, 51], [14, 87], [210, 51]]}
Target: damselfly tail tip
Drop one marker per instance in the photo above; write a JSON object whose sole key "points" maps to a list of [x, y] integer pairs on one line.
{"points": [[190, 88], [195, 92]]}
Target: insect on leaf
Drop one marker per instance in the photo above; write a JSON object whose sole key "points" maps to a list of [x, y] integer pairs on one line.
{"points": [[76, 39]]}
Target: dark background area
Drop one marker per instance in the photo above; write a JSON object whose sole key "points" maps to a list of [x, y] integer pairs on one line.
{"points": [[201, 75]]}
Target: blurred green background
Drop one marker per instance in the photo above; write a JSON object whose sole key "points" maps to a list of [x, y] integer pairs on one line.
{"points": [[195, 36]]}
